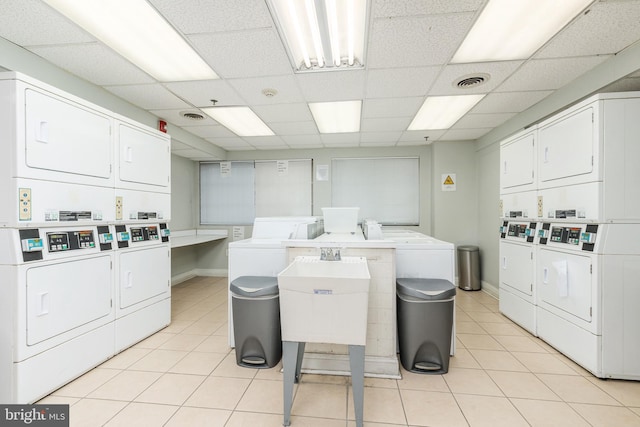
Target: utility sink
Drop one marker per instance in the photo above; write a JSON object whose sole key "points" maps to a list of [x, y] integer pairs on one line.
{"points": [[325, 301]]}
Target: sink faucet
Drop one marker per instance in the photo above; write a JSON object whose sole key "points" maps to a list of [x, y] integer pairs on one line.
{"points": [[329, 254]]}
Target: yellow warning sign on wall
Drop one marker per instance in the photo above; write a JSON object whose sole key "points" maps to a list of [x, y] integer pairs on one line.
{"points": [[448, 182]]}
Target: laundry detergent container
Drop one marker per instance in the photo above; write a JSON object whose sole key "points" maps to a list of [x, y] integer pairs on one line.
{"points": [[425, 324], [256, 321]]}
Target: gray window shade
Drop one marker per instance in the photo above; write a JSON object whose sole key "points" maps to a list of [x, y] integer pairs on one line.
{"points": [[283, 188], [227, 199], [250, 189], [385, 189]]}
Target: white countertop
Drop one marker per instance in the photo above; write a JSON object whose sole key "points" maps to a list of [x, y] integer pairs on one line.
{"points": [[183, 238]]}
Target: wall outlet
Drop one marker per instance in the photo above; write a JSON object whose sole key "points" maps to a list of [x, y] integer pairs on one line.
{"points": [[118, 208], [540, 207]]}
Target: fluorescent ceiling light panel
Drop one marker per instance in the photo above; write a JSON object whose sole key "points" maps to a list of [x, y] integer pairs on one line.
{"points": [[508, 29], [337, 117], [441, 112], [138, 32], [240, 120], [322, 34]]}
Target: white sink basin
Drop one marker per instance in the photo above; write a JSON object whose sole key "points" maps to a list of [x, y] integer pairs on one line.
{"points": [[325, 301]]}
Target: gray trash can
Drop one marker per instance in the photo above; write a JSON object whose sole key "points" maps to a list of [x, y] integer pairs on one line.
{"points": [[256, 321], [469, 268], [425, 324]]}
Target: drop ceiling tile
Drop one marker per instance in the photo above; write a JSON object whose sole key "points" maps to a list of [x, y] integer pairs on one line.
{"points": [[200, 93], [303, 141], [390, 9], [230, 143], [241, 54], [294, 128], [283, 113], [266, 142], [546, 74], [463, 134], [398, 82], [175, 117], [385, 124], [419, 135], [250, 90], [451, 74], [213, 131], [351, 139], [389, 138], [471, 121], [416, 41], [412, 143], [332, 85], [94, 62], [34, 23], [148, 97], [509, 102], [593, 34], [391, 107], [208, 16]]}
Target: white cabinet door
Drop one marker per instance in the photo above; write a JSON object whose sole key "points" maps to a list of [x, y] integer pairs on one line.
{"points": [[62, 136]]}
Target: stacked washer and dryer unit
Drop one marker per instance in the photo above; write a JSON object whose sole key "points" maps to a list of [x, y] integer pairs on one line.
{"points": [[84, 260], [585, 252]]}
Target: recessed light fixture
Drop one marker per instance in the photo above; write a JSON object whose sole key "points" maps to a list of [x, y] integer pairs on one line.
{"points": [[336, 117], [509, 30], [240, 120], [135, 30], [441, 112], [322, 34]]}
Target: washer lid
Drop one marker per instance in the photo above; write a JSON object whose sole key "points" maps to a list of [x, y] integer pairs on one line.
{"points": [[254, 286], [426, 289]]}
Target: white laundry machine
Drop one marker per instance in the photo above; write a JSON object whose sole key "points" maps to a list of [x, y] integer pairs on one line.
{"points": [[143, 282], [517, 291], [56, 311], [588, 295]]}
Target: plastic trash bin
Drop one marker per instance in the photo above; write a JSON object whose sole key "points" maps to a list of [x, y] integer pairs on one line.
{"points": [[425, 324], [255, 301], [469, 268]]}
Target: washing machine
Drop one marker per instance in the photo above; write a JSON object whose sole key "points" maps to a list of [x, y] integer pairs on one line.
{"points": [[517, 290], [588, 294], [56, 310], [143, 282]]}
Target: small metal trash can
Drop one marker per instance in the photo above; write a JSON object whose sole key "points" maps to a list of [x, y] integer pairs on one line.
{"points": [[425, 324], [469, 268], [256, 321]]}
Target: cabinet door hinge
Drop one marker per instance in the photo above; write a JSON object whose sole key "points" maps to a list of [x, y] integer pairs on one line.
{"points": [[591, 269], [590, 311]]}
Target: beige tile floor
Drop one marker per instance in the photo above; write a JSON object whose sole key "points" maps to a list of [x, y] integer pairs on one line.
{"points": [[186, 375]]}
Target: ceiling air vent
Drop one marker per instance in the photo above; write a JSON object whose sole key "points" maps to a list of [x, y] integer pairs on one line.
{"points": [[192, 115], [471, 81]]}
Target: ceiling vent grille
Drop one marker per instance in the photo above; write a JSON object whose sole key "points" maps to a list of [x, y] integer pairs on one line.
{"points": [[471, 81], [191, 115]]}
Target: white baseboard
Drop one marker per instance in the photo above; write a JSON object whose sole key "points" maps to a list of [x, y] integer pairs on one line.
{"points": [[490, 289], [183, 277], [212, 272]]}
